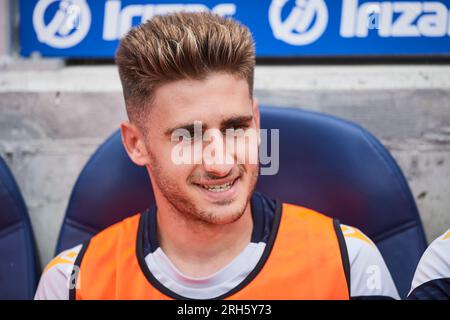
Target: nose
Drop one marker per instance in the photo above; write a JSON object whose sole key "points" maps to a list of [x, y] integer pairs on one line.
{"points": [[217, 160], [217, 169]]}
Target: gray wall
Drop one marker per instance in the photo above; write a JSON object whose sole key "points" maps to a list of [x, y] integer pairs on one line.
{"points": [[52, 118], [5, 29]]}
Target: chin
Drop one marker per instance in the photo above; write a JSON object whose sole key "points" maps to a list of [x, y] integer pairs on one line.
{"points": [[223, 213], [222, 218]]}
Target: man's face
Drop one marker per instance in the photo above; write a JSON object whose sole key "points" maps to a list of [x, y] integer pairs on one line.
{"points": [[214, 192]]}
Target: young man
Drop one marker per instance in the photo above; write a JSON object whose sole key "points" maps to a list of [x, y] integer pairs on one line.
{"points": [[209, 234]]}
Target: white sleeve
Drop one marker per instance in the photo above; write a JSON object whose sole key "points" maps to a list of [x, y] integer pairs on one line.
{"points": [[56, 278], [369, 275], [434, 265]]}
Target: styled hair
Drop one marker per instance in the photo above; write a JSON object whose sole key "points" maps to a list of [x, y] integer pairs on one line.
{"points": [[181, 46]]}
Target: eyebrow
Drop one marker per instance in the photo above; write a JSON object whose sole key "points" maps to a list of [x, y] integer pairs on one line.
{"points": [[234, 121], [188, 127], [238, 121]]}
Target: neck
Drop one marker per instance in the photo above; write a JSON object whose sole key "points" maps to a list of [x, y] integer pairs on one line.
{"points": [[199, 249]]}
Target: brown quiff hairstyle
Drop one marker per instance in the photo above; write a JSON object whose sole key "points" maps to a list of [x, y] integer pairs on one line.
{"points": [[181, 46]]}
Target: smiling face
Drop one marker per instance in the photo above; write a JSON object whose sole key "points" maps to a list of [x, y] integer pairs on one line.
{"points": [[215, 193]]}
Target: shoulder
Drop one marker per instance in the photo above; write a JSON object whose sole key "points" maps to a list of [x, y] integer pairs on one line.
{"points": [[357, 241], [56, 278], [432, 276], [107, 240], [128, 224], [435, 262], [369, 275], [301, 215]]}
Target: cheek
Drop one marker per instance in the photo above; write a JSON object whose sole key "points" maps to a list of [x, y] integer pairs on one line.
{"points": [[165, 166], [252, 171], [247, 151], [178, 162], [173, 173], [181, 174]]}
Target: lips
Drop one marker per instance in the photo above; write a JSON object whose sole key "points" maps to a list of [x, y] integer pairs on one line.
{"points": [[218, 187], [220, 190]]}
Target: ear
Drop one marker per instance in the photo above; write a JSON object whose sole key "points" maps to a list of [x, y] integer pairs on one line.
{"points": [[134, 143]]}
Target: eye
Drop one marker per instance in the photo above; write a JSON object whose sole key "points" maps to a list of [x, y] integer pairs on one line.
{"points": [[235, 128], [182, 135], [243, 127], [236, 131], [187, 136]]}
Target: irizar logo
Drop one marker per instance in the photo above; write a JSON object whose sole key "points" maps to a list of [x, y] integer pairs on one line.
{"points": [[72, 21], [395, 19], [305, 23], [118, 21], [67, 28]]}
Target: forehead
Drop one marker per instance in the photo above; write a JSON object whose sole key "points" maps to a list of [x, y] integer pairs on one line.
{"points": [[211, 100]]}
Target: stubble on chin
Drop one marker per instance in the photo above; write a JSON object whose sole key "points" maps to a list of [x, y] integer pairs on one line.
{"points": [[185, 207]]}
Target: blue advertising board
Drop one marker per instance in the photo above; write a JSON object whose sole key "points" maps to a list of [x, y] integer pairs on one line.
{"points": [[281, 28]]}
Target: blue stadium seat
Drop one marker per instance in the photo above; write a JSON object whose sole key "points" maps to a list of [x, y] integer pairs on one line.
{"points": [[19, 267], [327, 164]]}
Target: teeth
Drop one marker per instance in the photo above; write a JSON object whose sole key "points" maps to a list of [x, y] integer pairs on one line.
{"points": [[219, 188]]}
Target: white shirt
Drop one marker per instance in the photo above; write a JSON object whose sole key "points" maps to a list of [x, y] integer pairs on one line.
{"points": [[432, 277]]}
